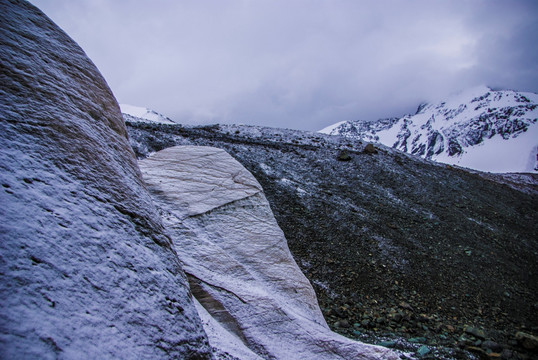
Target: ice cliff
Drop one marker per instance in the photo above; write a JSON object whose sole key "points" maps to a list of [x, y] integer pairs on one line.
{"points": [[87, 268], [238, 262], [92, 268]]}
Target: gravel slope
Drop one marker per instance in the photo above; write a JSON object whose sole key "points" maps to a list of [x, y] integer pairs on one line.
{"points": [[400, 250]]}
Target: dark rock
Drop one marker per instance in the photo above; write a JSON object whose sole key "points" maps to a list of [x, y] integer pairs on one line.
{"points": [[388, 343], [397, 317], [344, 324], [450, 328], [512, 342], [492, 345], [528, 341], [343, 156], [476, 332], [423, 351], [476, 350], [417, 340], [406, 306], [369, 149], [507, 354]]}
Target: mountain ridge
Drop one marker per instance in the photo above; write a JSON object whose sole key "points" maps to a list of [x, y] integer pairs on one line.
{"points": [[482, 129]]}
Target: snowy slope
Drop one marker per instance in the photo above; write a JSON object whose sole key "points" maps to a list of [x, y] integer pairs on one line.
{"points": [[334, 127], [141, 114], [482, 129]]}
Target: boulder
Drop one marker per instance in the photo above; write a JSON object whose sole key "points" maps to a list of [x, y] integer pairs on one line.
{"points": [[250, 290], [369, 149], [88, 270], [528, 341]]}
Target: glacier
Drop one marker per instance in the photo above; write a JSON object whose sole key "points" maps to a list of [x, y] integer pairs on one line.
{"points": [[237, 259], [88, 270]]}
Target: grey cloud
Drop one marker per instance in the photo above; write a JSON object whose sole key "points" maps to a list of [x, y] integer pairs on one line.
{"points": [[301, 64]]}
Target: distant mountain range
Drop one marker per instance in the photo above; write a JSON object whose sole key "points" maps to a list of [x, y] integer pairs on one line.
{"points": [[482, 129]]}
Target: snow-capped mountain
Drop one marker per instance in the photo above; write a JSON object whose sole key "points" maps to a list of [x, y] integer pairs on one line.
{"points": [[141, 114], [482, 129]]}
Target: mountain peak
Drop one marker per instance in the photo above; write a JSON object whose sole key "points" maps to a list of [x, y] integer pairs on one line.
{"points": [[142, 114], [479, 128], [471, 92]]}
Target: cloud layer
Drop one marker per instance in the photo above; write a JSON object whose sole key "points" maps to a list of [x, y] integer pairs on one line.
{"points": [[301, 64]]}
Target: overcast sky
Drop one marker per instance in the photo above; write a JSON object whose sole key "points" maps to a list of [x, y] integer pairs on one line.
{"points": [[301, 64]]}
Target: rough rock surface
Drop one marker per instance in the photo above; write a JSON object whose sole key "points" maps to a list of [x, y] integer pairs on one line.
{"points": [[87, 270], [238, 262]]}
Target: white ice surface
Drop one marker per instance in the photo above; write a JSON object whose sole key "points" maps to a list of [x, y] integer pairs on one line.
{"points": [[497, 154], [206, 183], [238, 262], [222, 339], [87, 270], [389, 136]]}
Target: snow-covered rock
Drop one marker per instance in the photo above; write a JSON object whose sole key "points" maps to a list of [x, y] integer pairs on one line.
{"points": [[142, 114], [482, 129], [254, 300], [88, 270]]}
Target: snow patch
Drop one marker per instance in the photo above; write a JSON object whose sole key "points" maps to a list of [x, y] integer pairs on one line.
{"points": [[329, 129], [141, 114]]}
